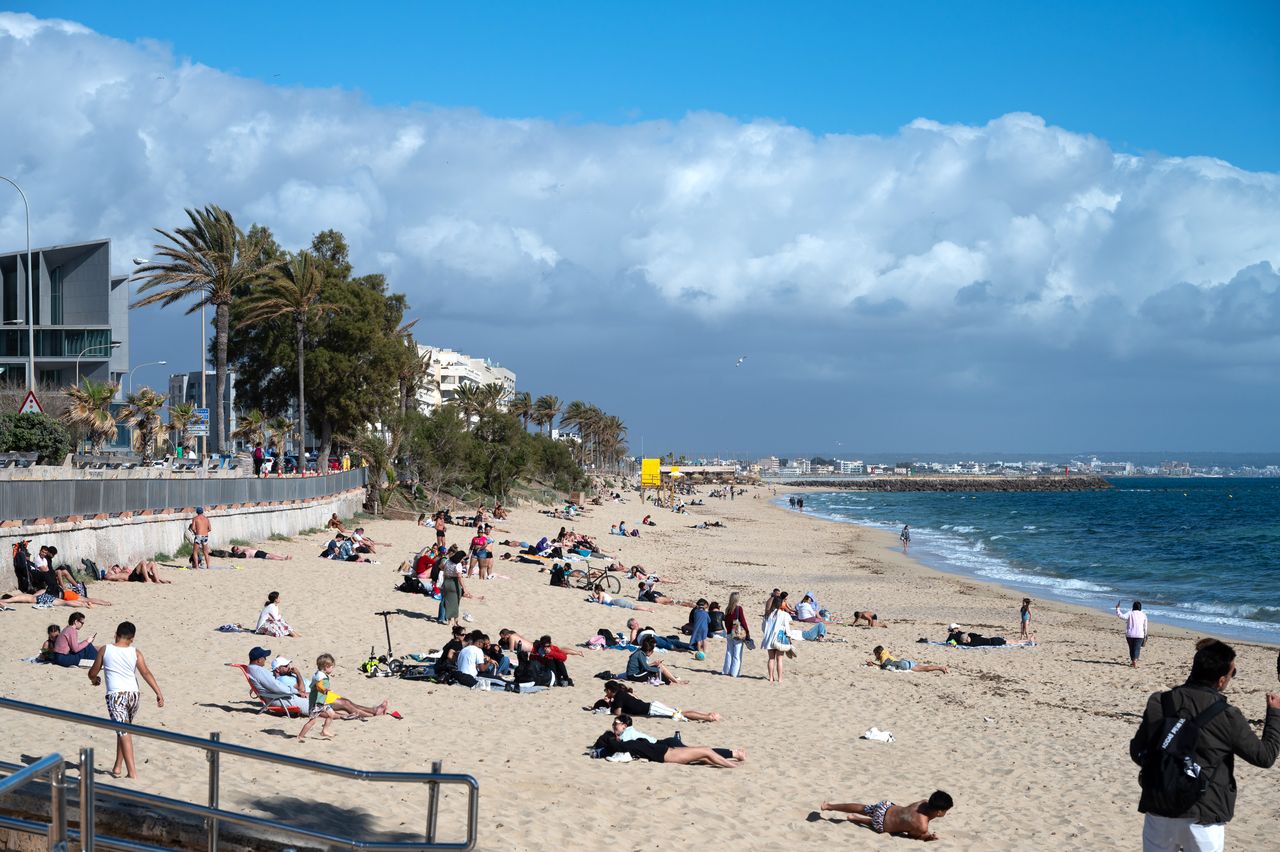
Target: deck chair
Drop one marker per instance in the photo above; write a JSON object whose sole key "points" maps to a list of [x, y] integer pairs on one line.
{"points": [[275, 706]]}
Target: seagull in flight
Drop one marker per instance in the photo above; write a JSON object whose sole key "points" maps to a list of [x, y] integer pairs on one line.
{"points": [[740, 360]]}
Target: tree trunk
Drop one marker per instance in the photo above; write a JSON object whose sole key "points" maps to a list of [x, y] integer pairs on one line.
{"points": [[222, 323], [326, 444], [301, 449]]}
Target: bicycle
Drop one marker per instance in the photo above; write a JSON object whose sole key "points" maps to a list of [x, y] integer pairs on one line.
{"points": [[603, 577]]}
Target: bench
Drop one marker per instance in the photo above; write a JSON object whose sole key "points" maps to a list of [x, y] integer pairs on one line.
{"points": [[18, 459]]}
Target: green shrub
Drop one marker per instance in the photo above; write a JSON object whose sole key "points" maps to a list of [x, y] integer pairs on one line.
{"points": [[239, 542], [35, 433], [280, 537], [162, 557], [184, 551]]}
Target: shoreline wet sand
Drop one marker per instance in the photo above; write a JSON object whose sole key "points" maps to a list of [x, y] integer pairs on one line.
{"points": [[1031, 743]]}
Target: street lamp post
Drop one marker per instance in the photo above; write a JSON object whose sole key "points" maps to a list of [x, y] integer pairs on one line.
{"points": [[139, 367], [31, 317], [204, 355], [108, 346]]}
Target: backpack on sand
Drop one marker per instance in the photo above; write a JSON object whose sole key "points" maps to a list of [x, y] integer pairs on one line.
{"points": [[1170, 776]]}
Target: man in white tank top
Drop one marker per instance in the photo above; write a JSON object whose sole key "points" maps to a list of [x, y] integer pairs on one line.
{"points": [[122, 663]]}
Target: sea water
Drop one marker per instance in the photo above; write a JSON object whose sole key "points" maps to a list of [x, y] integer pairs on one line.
{"points": [[1199, 553]]}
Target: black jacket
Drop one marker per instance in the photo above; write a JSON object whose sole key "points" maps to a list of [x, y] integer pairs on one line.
{"points": [[1222, 739]]}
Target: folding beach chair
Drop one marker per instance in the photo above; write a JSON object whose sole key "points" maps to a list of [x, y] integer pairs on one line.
{"points": [[274, 706]]}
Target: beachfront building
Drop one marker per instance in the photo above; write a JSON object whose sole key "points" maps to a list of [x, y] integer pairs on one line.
{"points": [[185, 387], [769, 465], [449, 370], [851, 468], [798, 467], [80, 310]]}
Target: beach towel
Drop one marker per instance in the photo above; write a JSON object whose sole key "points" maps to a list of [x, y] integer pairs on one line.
{"points": [[878, 735]]}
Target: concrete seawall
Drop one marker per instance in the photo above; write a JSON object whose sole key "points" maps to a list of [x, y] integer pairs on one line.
{"points": [[128, 538]]}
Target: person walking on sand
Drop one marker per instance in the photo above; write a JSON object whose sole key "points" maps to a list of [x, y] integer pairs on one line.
{"points": [[887, 818], [122, 663], [737, 634], [905, 535], [200, 530], [775, 636], [1135, 631], [1025, 614], [1178, 819]]}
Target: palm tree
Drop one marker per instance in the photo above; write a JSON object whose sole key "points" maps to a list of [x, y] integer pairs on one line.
{"points": [[521, 405], [90, 410], [494, 396], [281, 429], [469, 402], [142, 412], [293, 292], [211, 260], [612, 438], [545, 410], [572, 419], [252, 428], [590, 422], [181, 416]]}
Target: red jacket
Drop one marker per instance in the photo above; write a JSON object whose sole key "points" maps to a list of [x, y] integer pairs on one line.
{"points": [[553, 653]]}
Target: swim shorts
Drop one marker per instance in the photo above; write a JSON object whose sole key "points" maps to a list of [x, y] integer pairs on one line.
{"points": [[877, 812], [202, 539], [122, 706]]}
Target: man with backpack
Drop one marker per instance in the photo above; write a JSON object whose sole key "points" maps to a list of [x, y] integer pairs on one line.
{"points": [[1186, 746]]}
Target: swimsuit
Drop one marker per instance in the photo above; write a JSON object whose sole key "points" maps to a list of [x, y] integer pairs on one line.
{"points": [[877, 813], [202, 539]]}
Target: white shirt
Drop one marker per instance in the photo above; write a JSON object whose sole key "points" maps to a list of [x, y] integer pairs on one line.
{"points": [[270, 612], [120, 665], [805, 610], [469, 660]]}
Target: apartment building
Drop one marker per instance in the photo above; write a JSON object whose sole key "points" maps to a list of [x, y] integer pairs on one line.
{"points": [[450, 370]]}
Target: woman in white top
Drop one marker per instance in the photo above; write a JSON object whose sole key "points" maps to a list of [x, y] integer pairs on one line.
{"points": [[1135, 631], [269, 621], [122, 663], [776, 636]]}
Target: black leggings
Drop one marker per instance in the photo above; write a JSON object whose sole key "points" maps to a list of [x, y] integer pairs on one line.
{"points": [[1135, 647]]}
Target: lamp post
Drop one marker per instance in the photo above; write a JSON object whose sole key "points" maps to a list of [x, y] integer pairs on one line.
{"points": [[139, 367], [204, 355], [31, 323], [108, 346]]}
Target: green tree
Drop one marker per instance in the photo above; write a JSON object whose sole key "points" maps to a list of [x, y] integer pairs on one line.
{"points": [[545, 410], [252, 428], [141, 412], [90, 411], [294, 293], [182, 416], [210, 260], [35, 433], [521, 405]]}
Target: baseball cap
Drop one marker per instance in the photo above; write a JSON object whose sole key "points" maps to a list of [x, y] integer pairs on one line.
{"points": [[199, 510], [280, 662], [258, 653], [953, 626]]}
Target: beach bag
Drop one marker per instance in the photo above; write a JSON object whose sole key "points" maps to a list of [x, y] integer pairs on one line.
{"points": [[1171, 779]]}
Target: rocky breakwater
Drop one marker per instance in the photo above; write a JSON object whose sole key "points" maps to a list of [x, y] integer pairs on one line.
{"points": [[962, 483]]}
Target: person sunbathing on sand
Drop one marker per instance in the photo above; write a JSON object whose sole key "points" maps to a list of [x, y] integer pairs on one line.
{"points": [[620, 700], [144, 572], [244, 553], [885, 661], [887, 818], [649, 595], [615, 741], [600, 596]]}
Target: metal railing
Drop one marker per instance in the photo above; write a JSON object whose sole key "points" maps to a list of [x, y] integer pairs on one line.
{"points": [[57, 498], [52, 766], [212, 814]]}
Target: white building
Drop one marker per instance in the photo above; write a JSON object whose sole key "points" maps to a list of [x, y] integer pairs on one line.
{"points": [[768, 465], [854, 468], [449, 370], [798, 466]]}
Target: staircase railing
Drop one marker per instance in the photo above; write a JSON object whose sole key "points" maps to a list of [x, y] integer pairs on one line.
{"points": [[212, 814]]}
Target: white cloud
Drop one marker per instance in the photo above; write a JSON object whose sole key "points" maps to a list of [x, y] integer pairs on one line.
{"points": [[1034, 228]]}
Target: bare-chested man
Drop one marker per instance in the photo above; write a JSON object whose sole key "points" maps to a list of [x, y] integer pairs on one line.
{"points": [[869, 617], [200, 529], [887, 818]]}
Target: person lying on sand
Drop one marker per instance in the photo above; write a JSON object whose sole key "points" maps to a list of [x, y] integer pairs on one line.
{"points": [[647, 748], [145, 571], [600, 596], [620, 700], [649, 595], [884, 660], [887, 818], [963, 637], [238, 552]]}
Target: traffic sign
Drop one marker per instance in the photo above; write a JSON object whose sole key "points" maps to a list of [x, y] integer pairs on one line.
{"points": [[31, 405], [200, 426]]}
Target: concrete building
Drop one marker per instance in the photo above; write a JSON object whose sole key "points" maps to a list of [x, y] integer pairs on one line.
{"points": [[450, 370], [80, 308], [851, 468], [185, 387], [769, 465]]}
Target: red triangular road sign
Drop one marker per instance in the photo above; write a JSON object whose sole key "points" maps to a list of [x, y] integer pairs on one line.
{"points": [[31, 405]]}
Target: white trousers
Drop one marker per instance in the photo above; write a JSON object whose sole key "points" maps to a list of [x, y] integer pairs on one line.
{"points": [[1163, 834]]}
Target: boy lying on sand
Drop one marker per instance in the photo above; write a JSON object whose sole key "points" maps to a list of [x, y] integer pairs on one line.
{"points": [[887, 818]]}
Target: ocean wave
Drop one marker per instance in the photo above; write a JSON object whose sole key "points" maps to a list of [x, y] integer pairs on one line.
{"points": [[960, 528], [1030, 527], [995, 537]]}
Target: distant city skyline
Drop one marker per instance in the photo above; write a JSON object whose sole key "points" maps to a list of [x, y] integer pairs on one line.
{"points": [[927, 226]]}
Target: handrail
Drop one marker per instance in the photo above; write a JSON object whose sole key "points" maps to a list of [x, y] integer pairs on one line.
{"points": [[50, 765], [26, 774], [214, 814]]}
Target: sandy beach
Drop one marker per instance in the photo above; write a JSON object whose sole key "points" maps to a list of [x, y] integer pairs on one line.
{"points": [[1031, 743]]}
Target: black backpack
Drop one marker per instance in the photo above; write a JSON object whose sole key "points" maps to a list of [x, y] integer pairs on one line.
{"points": [[1172, 782]]}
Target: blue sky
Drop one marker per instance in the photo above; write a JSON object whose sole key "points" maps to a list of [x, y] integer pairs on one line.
{"points": [[1177, 78], [930, 226]]}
